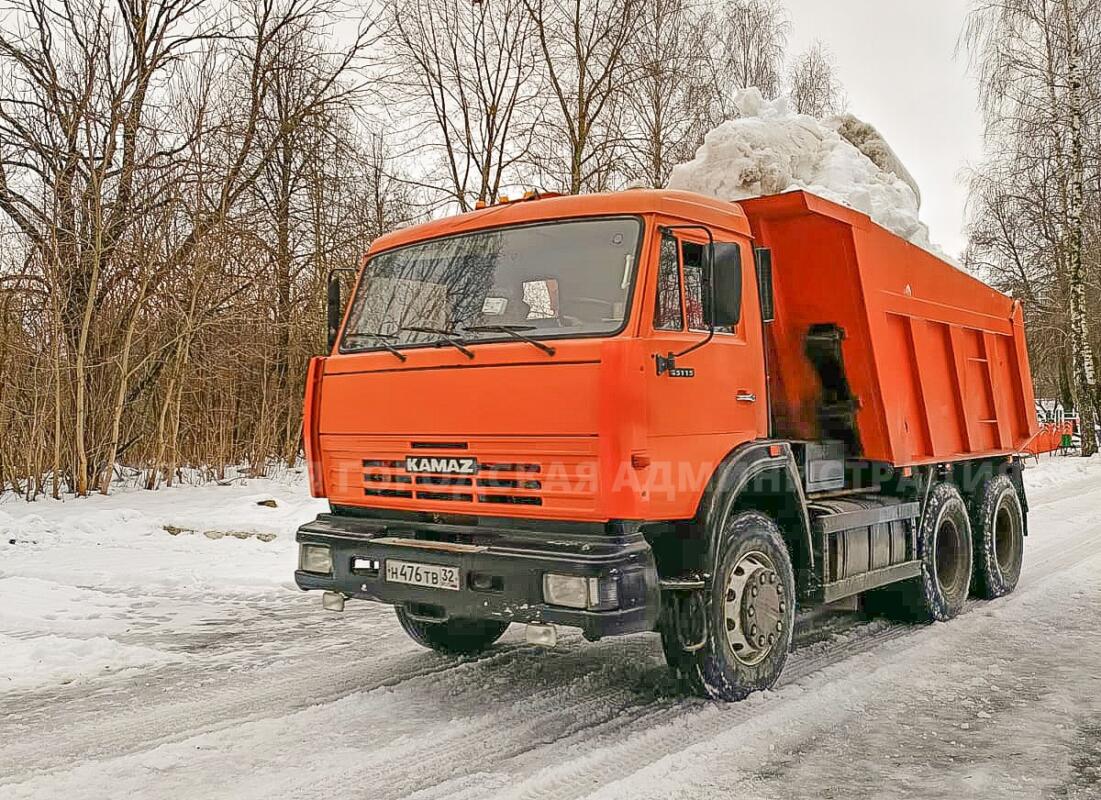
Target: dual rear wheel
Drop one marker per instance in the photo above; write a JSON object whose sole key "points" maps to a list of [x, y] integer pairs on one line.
{"points": [[997, 521], [974, 548]]}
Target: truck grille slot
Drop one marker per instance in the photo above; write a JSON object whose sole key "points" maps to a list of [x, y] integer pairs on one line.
{"points": [[375, 477], [387, 492], [511, 499], [439, 445], [454, 498], [511, 467], [432, 480], [508, 483]]}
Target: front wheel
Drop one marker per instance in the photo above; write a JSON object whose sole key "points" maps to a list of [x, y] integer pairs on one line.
{"points": [[747, 615], [455, 636]]}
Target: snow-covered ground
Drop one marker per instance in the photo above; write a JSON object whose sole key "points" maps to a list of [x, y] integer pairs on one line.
{"points": [[152, 645]]}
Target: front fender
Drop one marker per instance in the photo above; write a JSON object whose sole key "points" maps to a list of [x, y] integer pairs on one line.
{"points": [[763, 475]]}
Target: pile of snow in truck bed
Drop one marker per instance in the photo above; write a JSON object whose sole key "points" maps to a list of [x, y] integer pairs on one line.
{"points": [[770, 150]]}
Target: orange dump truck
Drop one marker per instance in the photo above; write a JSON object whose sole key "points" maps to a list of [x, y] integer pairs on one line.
{"points": [[655, 411]]}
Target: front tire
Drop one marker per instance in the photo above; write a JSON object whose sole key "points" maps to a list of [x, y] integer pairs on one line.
{"points": [[749, 612], [455, 636], [997, 522]]}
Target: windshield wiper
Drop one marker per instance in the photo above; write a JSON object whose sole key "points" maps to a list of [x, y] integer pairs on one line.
{"points": [[381, 338], [514, 332], [445, 336]]}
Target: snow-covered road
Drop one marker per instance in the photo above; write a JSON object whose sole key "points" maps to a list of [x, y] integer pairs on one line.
{"points": [[186, 666]]}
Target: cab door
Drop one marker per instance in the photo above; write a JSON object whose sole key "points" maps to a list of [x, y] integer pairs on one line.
{"points": [[705, 402]]}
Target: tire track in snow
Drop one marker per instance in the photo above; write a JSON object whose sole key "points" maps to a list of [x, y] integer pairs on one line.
{"points": [[62, 734]]}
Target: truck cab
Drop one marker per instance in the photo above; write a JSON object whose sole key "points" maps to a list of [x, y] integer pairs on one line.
{"points": [[556, 412]]}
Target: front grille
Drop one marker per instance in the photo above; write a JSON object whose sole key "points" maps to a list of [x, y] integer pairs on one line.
{"points": [[509, 483], [541, 476]]}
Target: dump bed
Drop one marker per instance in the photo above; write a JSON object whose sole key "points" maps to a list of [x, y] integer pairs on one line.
{"points": [[882, 344]]}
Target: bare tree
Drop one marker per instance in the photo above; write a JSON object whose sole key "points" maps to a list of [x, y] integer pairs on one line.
{"points": [[304, 133], [82, 149], [750, 41], [467, 75], [584, 45], [813, 84], [670, 102], [132, 137]]}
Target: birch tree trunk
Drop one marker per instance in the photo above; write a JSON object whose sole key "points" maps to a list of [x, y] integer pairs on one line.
{"points": [[1085, 383]]}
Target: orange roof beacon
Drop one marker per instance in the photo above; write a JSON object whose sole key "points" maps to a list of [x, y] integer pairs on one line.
{"points": [[655, 411]]}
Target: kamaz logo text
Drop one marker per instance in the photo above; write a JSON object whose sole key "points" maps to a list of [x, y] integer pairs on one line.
{"points": [[441, 466]]}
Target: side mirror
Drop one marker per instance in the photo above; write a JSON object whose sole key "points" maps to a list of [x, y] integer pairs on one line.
{"points": [[725, 299], [763, 257], [334, 308]]}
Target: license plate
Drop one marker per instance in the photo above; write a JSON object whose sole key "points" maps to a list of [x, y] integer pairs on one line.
{"points": [[433, 576]]}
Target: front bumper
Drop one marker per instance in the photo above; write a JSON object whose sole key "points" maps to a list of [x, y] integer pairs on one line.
{"points": [[510, 562]]}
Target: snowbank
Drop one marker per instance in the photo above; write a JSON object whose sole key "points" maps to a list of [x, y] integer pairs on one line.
{"points": [[770, 150], [85, 581], [1050, 471], [45, 660]]}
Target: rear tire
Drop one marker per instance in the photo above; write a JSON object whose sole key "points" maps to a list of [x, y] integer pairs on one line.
{"points": [[455, 636], [997, 522], [939, 593], [749, 612]]}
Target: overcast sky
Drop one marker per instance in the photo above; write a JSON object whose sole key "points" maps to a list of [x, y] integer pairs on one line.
{"points": [[897, 61]]}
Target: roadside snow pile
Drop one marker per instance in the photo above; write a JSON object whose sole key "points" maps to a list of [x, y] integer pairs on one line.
{"points": [[45, 660], [771, 150], [1051, 470], [84, 581]]}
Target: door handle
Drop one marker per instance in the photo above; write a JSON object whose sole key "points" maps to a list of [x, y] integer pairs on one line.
{"points": [[746, 397]]}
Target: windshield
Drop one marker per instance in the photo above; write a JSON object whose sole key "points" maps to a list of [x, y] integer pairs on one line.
{"points": [[556, 279]]}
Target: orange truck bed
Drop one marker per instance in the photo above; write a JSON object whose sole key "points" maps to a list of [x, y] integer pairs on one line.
{"points": [[934, 362]]}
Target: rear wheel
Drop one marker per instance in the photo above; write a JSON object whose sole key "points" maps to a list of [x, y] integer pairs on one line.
{"points": [[459, 636], [745, 620], [997, 522], [941, 590]]}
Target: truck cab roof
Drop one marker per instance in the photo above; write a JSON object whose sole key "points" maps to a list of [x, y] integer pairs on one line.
{"points": [[717, 213]]}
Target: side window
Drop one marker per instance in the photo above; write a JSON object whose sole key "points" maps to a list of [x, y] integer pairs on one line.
{"points": [[667, 310], [692, 254]]}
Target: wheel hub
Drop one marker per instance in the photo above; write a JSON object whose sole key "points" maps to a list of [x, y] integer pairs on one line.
{"points": [[755, 608]]}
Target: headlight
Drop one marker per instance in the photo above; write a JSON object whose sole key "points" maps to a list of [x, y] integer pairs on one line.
{"points": [[315, 558], [575, 591]]}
